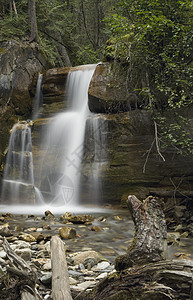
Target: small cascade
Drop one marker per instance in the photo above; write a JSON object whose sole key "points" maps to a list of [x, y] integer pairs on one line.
{"points": [[18, 180], [38, 98], [61, 167], [58, 181], [98, 131]]}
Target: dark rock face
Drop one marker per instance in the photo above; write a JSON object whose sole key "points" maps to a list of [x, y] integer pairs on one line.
{"points": [[20, 63], [129, 136], [107, 92]]}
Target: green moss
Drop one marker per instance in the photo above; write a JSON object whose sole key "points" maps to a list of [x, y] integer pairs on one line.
{"points": [[3, 50]]}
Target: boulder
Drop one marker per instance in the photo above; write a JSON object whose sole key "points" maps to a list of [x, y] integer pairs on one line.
{"points": [[107, 91], [67, 233]]}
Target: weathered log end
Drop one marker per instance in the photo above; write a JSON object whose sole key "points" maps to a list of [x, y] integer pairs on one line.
{"points": [[150, 240]]}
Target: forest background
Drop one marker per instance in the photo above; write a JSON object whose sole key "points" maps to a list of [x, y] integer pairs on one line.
{"points": [[150, 42]]}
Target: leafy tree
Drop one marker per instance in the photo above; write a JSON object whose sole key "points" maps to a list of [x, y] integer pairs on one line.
{"points": [[154, 40]]}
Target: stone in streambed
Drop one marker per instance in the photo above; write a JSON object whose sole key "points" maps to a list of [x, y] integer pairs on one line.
{"points": [[67, 233], [27, 237], [80, 257], [5, 230], [96, 228]]}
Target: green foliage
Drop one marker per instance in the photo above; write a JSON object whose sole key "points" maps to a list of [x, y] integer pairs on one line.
{"points": [[158, 58]]}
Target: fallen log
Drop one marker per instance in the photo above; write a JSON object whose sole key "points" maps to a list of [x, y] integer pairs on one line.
{"points": [[164, 280], [143, 273], [60, 277], [22, 275]]}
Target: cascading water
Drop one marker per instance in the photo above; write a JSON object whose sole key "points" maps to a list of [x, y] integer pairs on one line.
{"points": [[37, 99], [65, 142], [18, 175], [58, 179], [98, 130]]}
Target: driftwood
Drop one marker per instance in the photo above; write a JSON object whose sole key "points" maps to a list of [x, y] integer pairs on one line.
{"points": [[24, 277], [150, 240], [143, 273], [164, 280], [60, 277]]}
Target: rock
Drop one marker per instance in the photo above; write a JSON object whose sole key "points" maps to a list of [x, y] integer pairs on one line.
{"points": [[173, 238], [72, 281], [49, 215], [67, 233], [46, 278], [83, 286], [5, 230], [184, 235], [102, 275], [3, 254], [40, 236], [96, 228], [27, 237], [80, 257], [24, 253], [107, 92], [80, 219], [102, 265], [47, 265], [89, 263], [118, 218]]}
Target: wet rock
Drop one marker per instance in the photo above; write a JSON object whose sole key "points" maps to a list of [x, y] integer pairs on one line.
{"points": [[184, 235], [24, 253], [96, 228], [89, 263], [173, 238], [104, 96], [47, 265], [27, 237], [102, 265], [80, 257], [49, 215], [46, 278], [102, 275], [83, 286], [67, 233], [5, 230], [118, 218], [80, 219]]}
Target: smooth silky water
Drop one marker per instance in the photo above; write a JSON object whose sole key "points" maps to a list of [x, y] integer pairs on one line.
{"points": [[60, 170]]}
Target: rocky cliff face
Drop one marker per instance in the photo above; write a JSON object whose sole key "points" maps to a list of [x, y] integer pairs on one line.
{"points": [[20, 63], [130, 162]]}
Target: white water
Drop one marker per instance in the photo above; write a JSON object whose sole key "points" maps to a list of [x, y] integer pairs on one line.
{"points": [[61, 165], [37, 99], [98, 132], [65, 142], [18, 172]]}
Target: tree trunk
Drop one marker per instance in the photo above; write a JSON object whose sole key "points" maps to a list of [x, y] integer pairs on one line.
{"points": [[150, 240], [33, 21], [164, 280], [60, 277]]}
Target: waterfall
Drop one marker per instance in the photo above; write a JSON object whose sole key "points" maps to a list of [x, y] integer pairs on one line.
{"points": [[18, 179], [65, 143], [98, 131], [58, 180], [37, 99]]}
